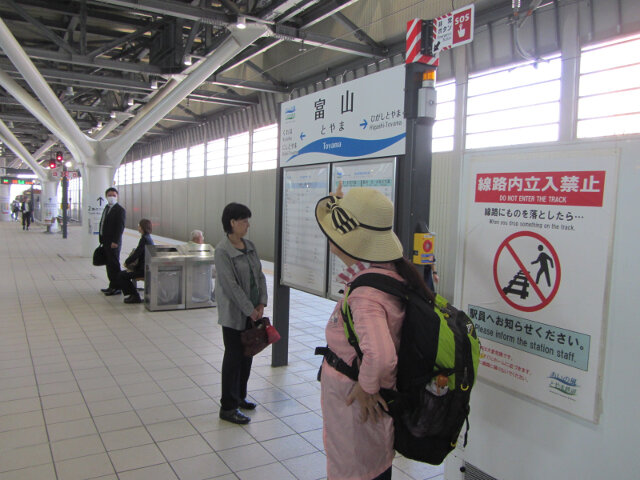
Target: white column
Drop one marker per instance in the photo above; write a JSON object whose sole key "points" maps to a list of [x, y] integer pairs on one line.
{"points": [[49, 201], [96, 179], [5, 203], [570, 43]]}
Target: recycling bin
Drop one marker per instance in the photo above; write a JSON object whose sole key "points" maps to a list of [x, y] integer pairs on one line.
{"points": [[164, 278], [199, 275]]}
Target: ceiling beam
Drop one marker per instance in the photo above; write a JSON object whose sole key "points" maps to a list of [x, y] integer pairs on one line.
{"points": [[15, 117], [175, 9], [357, 31], [211, 97], [264, 74], [249, 85], [324, 10], [84, 60], [254, 50], [125, 38], [84, 80], [293, 34], [106, 13], [289, 7], [40, 27]]}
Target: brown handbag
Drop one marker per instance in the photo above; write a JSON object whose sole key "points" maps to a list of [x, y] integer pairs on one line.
{"points": [[255, 339]]}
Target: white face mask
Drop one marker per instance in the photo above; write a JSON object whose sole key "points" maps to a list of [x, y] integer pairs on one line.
{"points": [[112, 200]]}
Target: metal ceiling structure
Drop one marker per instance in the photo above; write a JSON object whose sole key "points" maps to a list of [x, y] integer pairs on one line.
{"points": [[104, 58]]}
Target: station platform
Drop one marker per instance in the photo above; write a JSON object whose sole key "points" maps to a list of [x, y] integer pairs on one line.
{"points": [[92, 388]]}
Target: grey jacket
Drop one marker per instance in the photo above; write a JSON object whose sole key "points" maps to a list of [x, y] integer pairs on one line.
{"points": [[233, 283]]}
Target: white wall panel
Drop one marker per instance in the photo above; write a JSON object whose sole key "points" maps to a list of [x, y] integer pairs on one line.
{"points": [[167, 209], [215, 201], [126, 200], [134, 214], [145, 200], [196, 201], [445, 192], [238, 188], [153, 207], [179, 206], [262, 205]]}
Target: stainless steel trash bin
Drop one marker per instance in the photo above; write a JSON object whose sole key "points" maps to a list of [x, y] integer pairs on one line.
{"points": [[199, 275], [164, 278]]}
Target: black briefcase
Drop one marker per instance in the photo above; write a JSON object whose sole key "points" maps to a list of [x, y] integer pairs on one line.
{"points": [[99, 257]]}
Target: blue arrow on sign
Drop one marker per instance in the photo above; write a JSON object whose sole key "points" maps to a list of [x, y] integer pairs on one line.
{"points": [[302, 135], [364, 123]]}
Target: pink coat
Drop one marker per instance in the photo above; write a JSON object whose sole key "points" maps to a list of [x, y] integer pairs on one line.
{"points": [[357, 451]]}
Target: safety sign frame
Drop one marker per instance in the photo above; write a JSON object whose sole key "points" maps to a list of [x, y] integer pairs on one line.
{"points": [[555, 209]]}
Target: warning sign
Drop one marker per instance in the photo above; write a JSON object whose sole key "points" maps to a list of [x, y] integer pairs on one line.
{"points": [[537, 233], [526, 271]]}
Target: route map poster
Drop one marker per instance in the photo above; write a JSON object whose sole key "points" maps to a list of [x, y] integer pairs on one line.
{"points": [[537, 245]]}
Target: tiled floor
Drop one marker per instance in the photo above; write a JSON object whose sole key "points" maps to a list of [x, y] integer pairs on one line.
{"points": [[93, 388]]}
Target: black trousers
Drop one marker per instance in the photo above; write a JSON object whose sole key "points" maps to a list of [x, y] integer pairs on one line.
{"points": [[386, 475], [112, 259], [26, 219], [125, 282], [235, 370]]}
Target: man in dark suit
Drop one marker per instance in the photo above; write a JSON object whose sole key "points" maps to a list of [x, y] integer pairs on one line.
{"points": [[27, 211], [111, 228]]}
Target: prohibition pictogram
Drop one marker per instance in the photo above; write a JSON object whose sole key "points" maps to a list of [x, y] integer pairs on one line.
{"points": [[517, 256]]}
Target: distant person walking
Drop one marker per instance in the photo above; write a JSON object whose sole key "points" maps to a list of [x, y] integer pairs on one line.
{"points": [[110, 237], [15, 210], [27, 210]]}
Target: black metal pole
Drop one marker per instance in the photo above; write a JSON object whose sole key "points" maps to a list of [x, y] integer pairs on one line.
{"points": [[32, 205], [65, 204], [414, 171], [281, 293]]}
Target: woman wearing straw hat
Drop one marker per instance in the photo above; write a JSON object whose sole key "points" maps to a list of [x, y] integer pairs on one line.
{"points": [[358, 435]]}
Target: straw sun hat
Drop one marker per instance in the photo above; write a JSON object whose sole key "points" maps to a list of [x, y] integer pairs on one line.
{"points": [[360, 224]]}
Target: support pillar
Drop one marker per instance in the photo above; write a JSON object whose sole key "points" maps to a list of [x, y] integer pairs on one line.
{"points": [[5, 203], [49, 203], [95, 180]]}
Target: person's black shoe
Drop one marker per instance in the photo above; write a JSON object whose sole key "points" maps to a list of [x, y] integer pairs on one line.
{"points": [[133, 299], [113, 291], [105, 290], [234, 416], [247, 405]]}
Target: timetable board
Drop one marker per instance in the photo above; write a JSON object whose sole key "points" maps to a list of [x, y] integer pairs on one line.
{"points": [[304, 246], [376, 173]]}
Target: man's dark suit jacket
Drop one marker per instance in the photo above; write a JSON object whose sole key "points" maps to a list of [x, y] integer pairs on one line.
{"points": [[112, 226]]}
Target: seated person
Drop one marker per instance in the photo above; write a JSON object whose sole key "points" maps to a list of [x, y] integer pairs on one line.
{"points": [[135, 264], [202, 290], [197, 237]]}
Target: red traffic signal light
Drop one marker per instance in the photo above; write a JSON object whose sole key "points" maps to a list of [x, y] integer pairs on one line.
{"points": [[52, 164], [59, 157]]}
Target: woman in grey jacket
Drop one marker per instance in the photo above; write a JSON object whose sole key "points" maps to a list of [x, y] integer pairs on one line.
{"points": [[241, 293]]}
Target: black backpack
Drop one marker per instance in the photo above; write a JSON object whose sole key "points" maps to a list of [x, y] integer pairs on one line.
{"points": [[437, 341]]}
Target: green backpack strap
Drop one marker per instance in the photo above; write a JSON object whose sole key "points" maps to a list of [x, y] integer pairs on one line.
{"points": [[379, 281]]}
